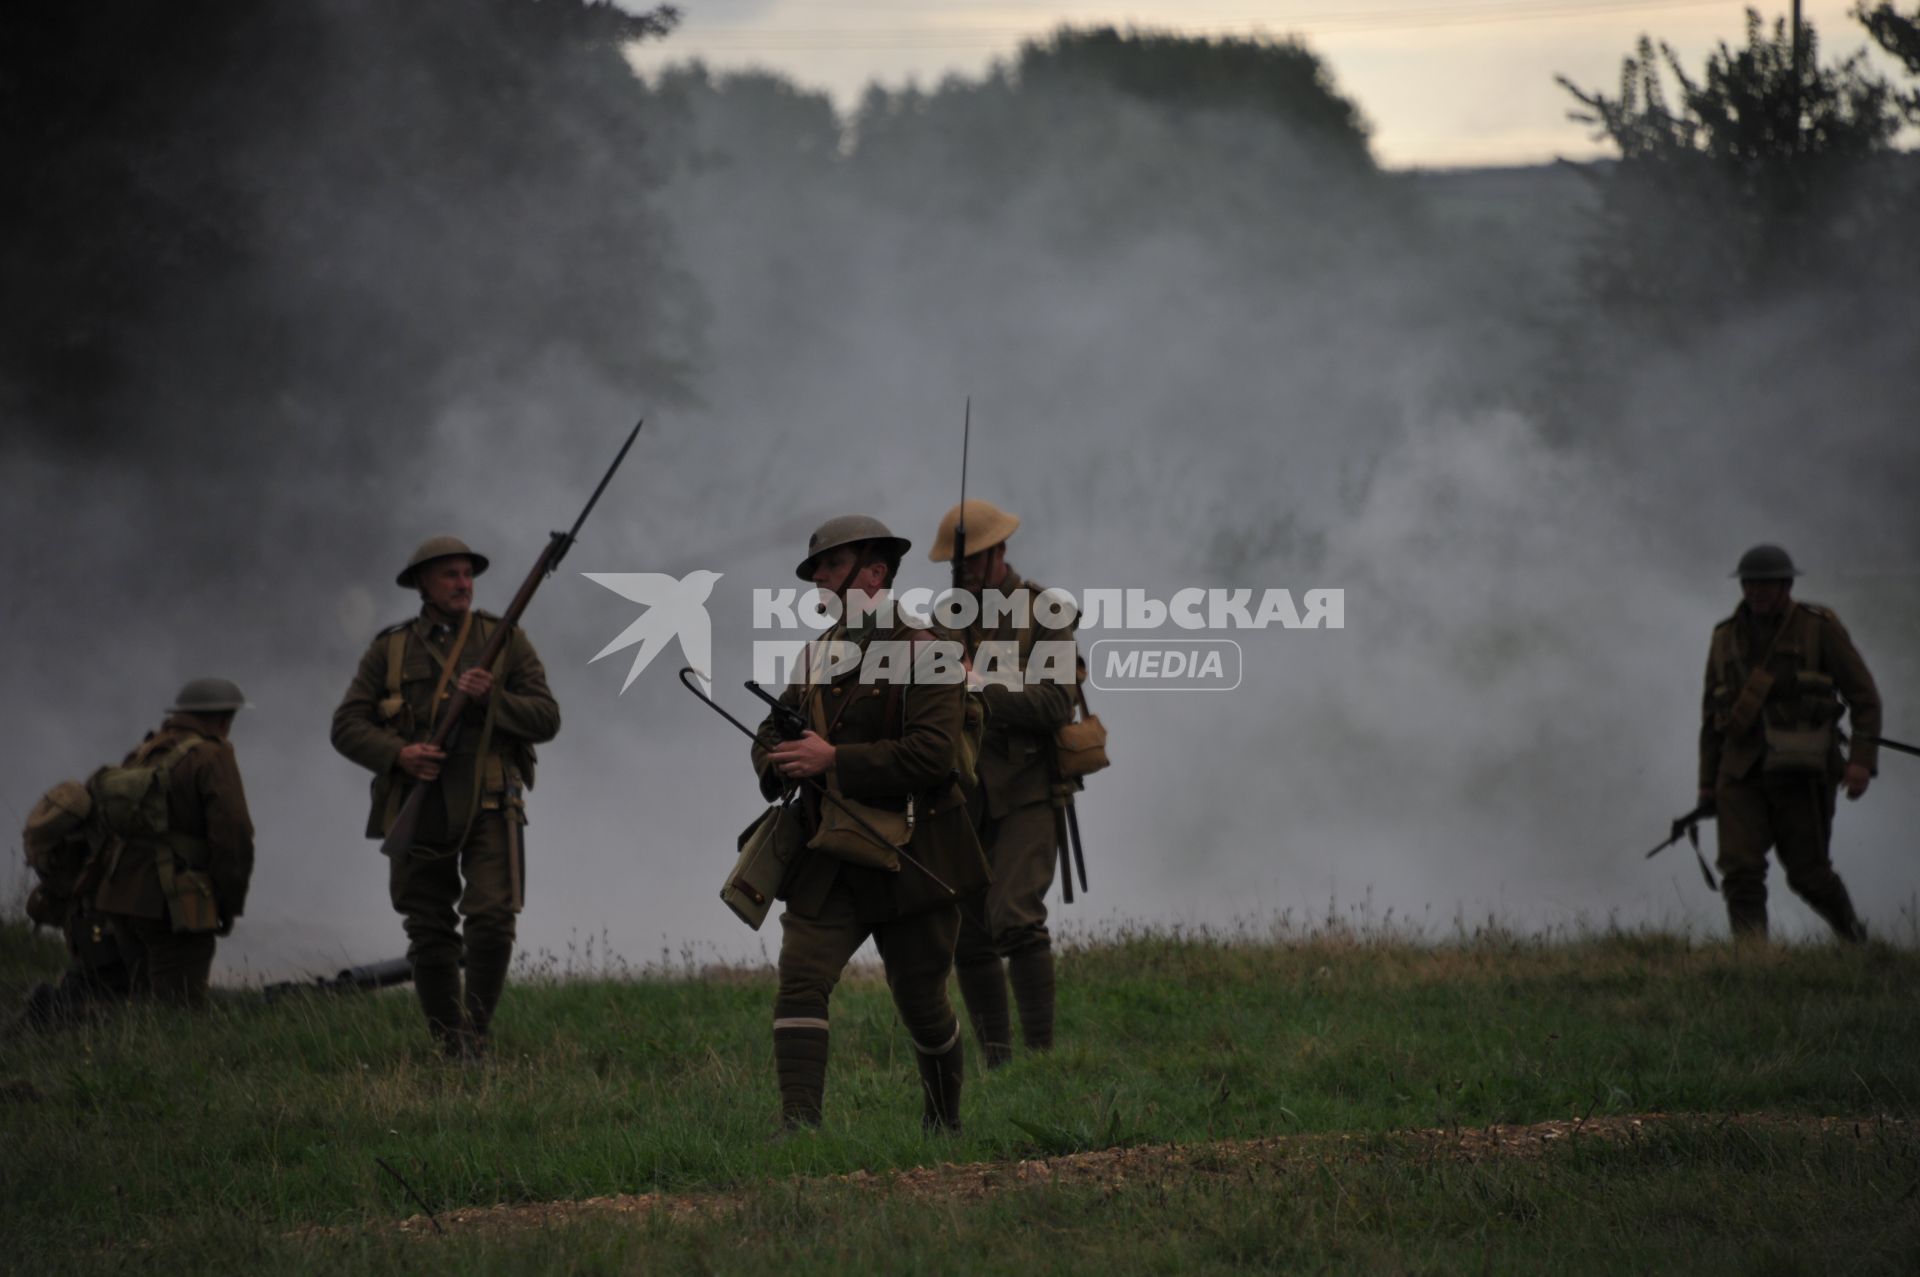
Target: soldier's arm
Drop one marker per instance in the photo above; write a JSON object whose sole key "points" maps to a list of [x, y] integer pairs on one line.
{"points": [[523, 706], [358, 732], [223, 799], [1709, 734], [766, 736], [932, 717], [1854, 682], [1039, 708]]}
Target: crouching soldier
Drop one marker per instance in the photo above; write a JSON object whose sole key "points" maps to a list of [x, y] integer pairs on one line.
{"points": [[168, 892], [889, 850], [465, 861]]}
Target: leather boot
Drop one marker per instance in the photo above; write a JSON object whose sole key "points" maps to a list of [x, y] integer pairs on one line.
{"points": [[1031, 973], [983, 988], [1835, 906], [800, 1062], [486, 981], [940, 1078], [438, 987]]}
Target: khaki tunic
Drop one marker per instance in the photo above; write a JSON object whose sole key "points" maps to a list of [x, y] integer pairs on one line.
{"points": [[519, 714], [1812, 640], [205, 802], [1016, 755], [878, 766]]}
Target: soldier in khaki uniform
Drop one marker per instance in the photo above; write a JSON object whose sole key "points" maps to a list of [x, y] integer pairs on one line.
{"points": [[1778, 674], [208, 830], [1003, 931], [467, 857], [893, 746]]}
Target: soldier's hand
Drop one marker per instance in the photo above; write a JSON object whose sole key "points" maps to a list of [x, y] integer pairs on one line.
{"points": [[1855, 780], [477, 684], [421, 761], [808, 756]]}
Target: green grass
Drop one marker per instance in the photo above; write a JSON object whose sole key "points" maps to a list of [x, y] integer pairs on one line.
{"points": [[214, 1140]]}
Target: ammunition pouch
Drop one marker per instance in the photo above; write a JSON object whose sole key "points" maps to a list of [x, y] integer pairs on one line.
{"points": [[191, 906], [848, 828], [1797, 749], [1080, 744], [1080, 748], [768, 848]]}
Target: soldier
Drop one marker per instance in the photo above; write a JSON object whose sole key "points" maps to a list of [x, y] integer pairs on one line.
{"points": [[1777, 674], [1012, 804], [467, 852], [891, 747], [207, 846]]}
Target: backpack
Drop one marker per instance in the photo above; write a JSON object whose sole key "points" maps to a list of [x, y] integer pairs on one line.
{"points": [[72, 824], [60, 846]]}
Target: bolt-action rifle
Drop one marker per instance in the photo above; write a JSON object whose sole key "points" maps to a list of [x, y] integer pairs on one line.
{"points": [[1688, 827], [1884, 743], [792, 725], [399, 839]]}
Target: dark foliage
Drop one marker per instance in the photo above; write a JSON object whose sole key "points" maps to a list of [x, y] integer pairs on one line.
{"points": [[245, 230], [1763, 178]]}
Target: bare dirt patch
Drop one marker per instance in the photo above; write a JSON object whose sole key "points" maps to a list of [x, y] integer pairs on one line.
{"points": [[1147, 1164]]}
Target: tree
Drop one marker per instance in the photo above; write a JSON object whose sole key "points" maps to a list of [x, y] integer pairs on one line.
{"points": [[314, 216], [1769, 173]]}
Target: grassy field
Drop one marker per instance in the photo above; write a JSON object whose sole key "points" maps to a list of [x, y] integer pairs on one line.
{"points": [[1286, 1073]]}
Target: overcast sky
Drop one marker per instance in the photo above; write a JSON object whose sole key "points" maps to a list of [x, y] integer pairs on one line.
{"points": [[1444, 82]]}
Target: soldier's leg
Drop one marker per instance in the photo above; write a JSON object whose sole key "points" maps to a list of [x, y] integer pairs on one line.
{"points": [[1745, 832], [917, 952], [1803, 816], [177, 963], [814, 950], [491, 865], [423, 886], [1026, 855], [982, 974]]}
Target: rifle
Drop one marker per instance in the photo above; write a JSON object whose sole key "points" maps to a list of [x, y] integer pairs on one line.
{"points": [[1688, 826], [960, 517], [361, 979], [399, 839], [1884, 743], [792, 726]]}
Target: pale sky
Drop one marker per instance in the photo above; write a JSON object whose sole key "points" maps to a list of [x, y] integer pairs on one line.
{"points": [[1443, 82]]}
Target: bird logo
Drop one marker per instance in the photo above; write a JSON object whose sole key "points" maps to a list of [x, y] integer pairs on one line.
{"points": [[676, 608]]}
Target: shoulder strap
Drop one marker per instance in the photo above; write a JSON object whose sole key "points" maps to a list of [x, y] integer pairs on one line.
{"points": [[396, 658]]}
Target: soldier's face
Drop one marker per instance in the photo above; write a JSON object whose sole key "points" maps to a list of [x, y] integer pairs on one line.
{"points": [[982, 570], [448, 584], [831, 569], [1766, 598]]}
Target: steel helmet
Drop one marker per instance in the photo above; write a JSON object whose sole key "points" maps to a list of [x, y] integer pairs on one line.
{"points": [[438, 548], [849, 529]]}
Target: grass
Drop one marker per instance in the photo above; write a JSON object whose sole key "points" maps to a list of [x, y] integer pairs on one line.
{"points": [[213, 1140]]}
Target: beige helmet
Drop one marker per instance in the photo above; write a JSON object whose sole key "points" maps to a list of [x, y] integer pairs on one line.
{"points": [[208, 696], [438, 548], [987, 526], [848, 529]]}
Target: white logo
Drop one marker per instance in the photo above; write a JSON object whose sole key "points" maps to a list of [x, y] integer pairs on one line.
{"points": [[676, 609]]}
